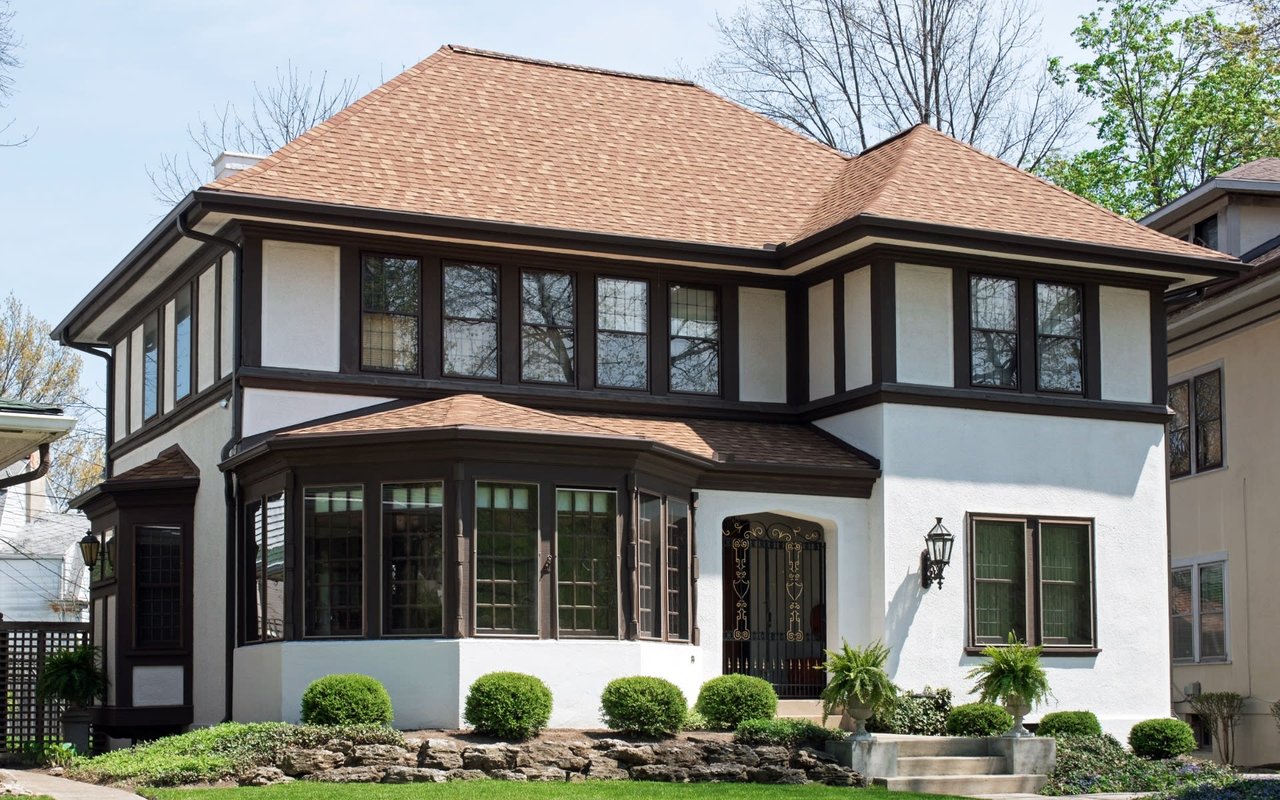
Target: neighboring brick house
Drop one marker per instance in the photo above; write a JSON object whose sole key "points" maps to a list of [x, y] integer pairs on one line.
{"points": [[519, 365]]}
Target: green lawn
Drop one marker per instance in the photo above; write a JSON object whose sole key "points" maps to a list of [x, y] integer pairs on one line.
{"points": [[500, 790]]}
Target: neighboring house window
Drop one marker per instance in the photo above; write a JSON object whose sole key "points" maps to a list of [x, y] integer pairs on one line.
{"points": [[413, 558], [158, 587], [993, 327], [1205, 232], [150, 365], [470, 320], [333, 552], [663, 568], [622, 339], [1195, 431], [182, 343], [506, 559], [695, 340], [587, 562], [1059, 338], [546, 327], [1198, 604], [390, 311], [1031, 577]]}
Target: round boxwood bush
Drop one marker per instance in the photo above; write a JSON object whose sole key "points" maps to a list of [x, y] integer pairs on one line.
{"points": [[348, 699], [508, 705], [1162, 738], [978, 719], [1069, 723], [650, 706], [730, 699]]}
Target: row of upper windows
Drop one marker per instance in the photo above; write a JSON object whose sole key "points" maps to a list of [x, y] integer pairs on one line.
{"points": [[392, 315], [996, 327]]}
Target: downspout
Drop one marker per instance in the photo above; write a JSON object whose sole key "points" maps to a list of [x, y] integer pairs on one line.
{"points": [[30, 475], [231, 486], [65, 339]]}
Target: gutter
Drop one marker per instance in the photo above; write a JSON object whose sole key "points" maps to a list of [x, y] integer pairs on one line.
{"points": [[109, 357], [30, 475]]}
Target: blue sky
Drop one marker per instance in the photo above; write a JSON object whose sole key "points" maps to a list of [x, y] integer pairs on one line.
{"points": [[107, 88]]}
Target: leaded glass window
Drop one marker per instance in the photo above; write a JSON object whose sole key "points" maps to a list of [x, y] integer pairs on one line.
{"points": [[391, 298], [1066, 591], [158, 587], [1180, 430], [413, 558], [506, 563], [1059, 338], [999, 574], [333, 551], [679, 556], [150, 366], [649, 566], [471, 320], [993, 331], [546, 327], [587, 559], [622, 338], [182, 343], [105, 568], [1195, 429], [695, 340], [1208, 406]]}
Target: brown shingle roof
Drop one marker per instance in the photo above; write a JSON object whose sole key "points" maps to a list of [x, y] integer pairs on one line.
{"points": [[486, 136], [171, 464], [1262, 169], [713, 440]]}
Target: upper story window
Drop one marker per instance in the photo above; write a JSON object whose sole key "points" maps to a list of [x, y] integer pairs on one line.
{"points": [[470, 320], [182, 343], [695, 340], [1205, 232], [1195, 431], [997, 331], [622, 333], [546, 327], [390, 311], [150, 365], [1198, 605]]}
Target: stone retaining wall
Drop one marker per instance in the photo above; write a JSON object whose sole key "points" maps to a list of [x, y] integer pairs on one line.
{"points": [[437, 760]]}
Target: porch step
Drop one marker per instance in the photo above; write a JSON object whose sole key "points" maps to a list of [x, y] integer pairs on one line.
{"points": [[965, 785], [940, 746], [918, 766]]}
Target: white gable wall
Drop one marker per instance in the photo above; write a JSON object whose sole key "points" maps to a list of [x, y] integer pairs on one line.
{"points": [[926, 353], [300, 306], [1126, 344], [762, 331], [857, 328], [822, 375]]}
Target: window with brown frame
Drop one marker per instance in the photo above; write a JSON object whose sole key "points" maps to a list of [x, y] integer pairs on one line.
{"points": [[262, 577], [390, 313], [1033, 578], [413, 558], [105, 567], [1195, 430], [182, 342], [1059, 338], [679, 577], [694, 315], [470, 320], [506, 558], [664, 555], [151, 365], [158, 608], [333, 551], [993, 331], [1053, 322], [649, 554], [547, 319], [587, 562], [622, 333]]}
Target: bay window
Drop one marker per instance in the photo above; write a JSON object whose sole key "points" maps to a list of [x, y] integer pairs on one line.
{"points": [[158, 593], [663, 568], [413, 558], [333, 552], [506, 558], [587, 562]]}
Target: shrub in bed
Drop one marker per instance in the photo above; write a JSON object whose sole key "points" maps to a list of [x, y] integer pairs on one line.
{"points": [[978, 719], [1162, 738], [1089, 764], [508, 705], [348, 699], [917, 713], [1069, 723], [640, 704], [729, 699], [786, 732]]}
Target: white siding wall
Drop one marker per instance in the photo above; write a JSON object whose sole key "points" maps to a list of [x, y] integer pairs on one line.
{"points": [[822, 377], [926, 353], [206, 313], [1258, 224], [120, 402], [857, 328], [227, 311], [762, 328], [1126, 344], [270, 409], [135, 379], [167, 376], [300, 306]]}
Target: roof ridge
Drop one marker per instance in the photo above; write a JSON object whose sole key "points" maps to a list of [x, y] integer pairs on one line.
{"points": [[821, 199], [537, 411], [905, 136], [757, 115], [476, 51]]}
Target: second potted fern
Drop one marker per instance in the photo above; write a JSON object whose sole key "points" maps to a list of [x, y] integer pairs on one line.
{"points": [[857, 685]]}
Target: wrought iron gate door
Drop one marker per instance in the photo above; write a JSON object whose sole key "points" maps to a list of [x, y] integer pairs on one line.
{"points": [[775, 620]]}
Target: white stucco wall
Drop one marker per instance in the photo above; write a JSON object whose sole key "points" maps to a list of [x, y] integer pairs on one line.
{"points": [[167, 376], [762, 331], [300, 306], [926, 353], [226, 313], [949, 463], [857, 328], [1126, 343], [822, 375], [135, 379], [270, 409], [206, 333], [157, 686], [120, 404], [202, 438]]}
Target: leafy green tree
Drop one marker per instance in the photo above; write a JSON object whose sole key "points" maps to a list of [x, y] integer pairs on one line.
{"points": [[1182, 99]]}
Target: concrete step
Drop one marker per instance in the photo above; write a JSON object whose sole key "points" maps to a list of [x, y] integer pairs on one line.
{"points": [[915, 766], [807, 710], [965, 785], [941, 746]]}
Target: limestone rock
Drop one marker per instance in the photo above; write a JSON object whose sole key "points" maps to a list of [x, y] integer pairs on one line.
{"points": [[808, 758], [380, 755], [835, 775], [488, 757], [606, 769], [663, 773], [543, 773], [632, 755], [304, 761], [440, 754], [776, 774], [414, 775], [507, 775], [262, 776], [340, 745], [349, 775], [466, 775], [550, 755], [729, 753], [718, 773], [773, 755], [677, 755]]}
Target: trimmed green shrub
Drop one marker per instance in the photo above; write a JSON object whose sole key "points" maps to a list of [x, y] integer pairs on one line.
{"points": [[916, 714], [1069, 723], [1162, 738], [729, 699], [348, 699], [651, 706], [693, 721], [978, 719], [1088, 764], [787, 732], [508, 705]]}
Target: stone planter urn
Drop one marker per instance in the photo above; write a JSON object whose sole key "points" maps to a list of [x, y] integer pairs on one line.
{"points": [[75, 729], [855, 719], [1017, 708]]}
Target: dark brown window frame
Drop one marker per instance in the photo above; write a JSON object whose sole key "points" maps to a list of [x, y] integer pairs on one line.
{"points": [[364, 559], [647, 335], [420, 316], [496, 320], [543, 557], [669, 337], [157, 409], [180, 586], [192, 289], [1041, 336], [383, 566], [662, 568], [1193, 423], [573, 328], [619, 520], [1033, 584]]}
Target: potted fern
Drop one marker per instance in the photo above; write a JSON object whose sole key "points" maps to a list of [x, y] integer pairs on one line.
{"points": [[75, 677], [1012, 674], [857, 685]]}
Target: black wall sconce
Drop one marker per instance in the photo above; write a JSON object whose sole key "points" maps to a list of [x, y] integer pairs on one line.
{"points": [[90, 548], [936, 555]]}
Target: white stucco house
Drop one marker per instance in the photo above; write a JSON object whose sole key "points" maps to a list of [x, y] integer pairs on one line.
{"points": [[522, 365]]}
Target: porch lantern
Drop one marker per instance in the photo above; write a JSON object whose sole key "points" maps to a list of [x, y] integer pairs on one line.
{"points": [[90, 548], [936, 555]]}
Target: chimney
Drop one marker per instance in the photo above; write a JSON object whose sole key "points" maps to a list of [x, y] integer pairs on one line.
{"points": [[34, 492], [229, 163]]}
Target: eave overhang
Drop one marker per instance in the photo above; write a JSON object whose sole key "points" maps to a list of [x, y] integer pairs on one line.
{"points": [[22, 433], [1203, 195]]}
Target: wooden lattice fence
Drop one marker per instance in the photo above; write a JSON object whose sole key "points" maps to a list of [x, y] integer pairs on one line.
{"points": [[24, 721]]}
